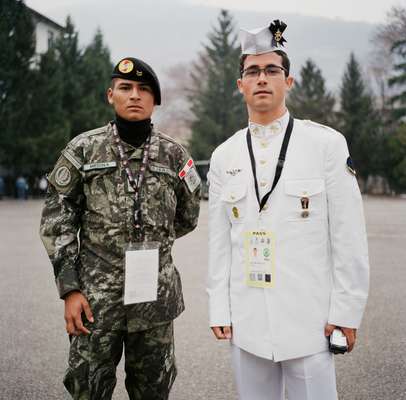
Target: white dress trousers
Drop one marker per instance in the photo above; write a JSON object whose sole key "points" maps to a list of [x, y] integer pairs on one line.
{"points": [[305, 378]]}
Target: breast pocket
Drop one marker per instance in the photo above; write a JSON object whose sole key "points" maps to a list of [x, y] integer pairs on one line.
{"points": [[159, 197], [235, 199], [100, 189], [305, 199]]}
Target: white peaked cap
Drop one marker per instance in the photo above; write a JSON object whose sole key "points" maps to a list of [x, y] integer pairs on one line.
{"points": [[259, 41]]}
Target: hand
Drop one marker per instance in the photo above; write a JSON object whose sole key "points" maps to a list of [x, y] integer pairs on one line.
{"points": [[75, 304], [350, 334], [222, 332]]}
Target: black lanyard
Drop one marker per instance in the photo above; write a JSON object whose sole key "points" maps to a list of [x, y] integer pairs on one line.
{"points": [[279, 167], [135, 183]]}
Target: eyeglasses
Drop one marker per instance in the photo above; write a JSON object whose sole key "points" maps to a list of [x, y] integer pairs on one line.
{"points": [[270, 70]]}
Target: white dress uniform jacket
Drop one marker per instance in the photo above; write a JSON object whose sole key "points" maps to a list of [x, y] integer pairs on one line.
{"points": [[321, 262]]}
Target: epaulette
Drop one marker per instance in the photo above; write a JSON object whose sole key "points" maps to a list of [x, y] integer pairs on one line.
{"points": [[170, 139], [312, 123], [87, 134], [93, 132]]}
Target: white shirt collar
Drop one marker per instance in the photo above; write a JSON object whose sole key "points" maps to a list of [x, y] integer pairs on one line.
{"points": [[274, 128]]}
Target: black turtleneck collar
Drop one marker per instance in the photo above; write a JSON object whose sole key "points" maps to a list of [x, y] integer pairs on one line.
{"points": [[134, 133]]}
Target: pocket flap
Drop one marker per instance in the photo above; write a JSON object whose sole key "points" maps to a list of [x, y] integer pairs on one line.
{"points": [[233, 193], [304, 187]]}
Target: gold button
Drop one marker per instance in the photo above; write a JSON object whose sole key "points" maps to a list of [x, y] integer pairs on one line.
{"points": [[263, 183], [265, 207], [264, 144], [262, 162]]}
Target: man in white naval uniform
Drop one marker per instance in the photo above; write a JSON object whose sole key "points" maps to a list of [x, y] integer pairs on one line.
{"points": [[288, 257]]}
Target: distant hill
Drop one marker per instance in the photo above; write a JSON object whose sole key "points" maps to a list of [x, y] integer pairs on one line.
{"points": [[166, 33]]}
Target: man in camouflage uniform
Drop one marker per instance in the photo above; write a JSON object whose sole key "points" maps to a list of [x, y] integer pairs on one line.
{"points": [[86, 226]]}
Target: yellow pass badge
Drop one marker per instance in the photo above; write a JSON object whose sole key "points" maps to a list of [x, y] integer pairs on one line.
{"points": [[259, 259], [126, 66]]}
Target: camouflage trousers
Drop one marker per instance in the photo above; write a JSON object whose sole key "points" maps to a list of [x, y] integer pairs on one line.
{"points": [[149, 364]]}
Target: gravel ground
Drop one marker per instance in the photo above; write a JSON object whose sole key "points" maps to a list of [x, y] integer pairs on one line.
{"points": [[33, 344]]}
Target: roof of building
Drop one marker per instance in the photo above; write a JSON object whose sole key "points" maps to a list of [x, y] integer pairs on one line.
{"points": [[45, 19]]}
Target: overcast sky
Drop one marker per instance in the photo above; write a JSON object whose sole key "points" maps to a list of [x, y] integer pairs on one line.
{"points": [[170, 33], [352, 10]]}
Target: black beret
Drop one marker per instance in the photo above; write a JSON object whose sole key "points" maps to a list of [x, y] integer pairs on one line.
{"points": [[137, 70]]}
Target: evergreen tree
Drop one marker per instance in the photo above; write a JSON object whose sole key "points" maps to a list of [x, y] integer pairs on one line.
{"points": [[69, 60], [396, 159], [359, 122], [17, 43], [49, 125], [216, 102], [309, 98], [395, 142], [86, 78], [399, 80], [95, 72]]}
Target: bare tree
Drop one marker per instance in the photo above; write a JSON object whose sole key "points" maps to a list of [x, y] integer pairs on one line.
{"points": [[174, 116], [382, 60]]}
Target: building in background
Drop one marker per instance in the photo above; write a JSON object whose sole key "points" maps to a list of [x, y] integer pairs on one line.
{"points": [[46, 31]]}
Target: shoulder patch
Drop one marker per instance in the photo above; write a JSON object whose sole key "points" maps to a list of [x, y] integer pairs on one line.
{"points": [[189, 164], [63, 177], [350, 166], [190, 176]]}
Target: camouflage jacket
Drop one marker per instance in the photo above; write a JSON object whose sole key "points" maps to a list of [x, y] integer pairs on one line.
{"points": [[87, 223]]}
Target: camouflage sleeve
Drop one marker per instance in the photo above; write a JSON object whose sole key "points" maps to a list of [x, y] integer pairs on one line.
{"points": [[188, 198], [60, 222]]}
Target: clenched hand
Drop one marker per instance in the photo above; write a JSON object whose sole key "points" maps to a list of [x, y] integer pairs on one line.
{"points": [[222, 332]]}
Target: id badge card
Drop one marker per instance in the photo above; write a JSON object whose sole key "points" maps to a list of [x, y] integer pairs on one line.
{"points": [[141, 272], [259, 258]]}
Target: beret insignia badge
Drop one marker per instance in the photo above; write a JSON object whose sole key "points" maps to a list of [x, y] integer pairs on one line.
{"points": [[126, 66]]}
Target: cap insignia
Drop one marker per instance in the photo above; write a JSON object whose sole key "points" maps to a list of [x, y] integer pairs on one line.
{"points": [[277, 28], [126, 66]]}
